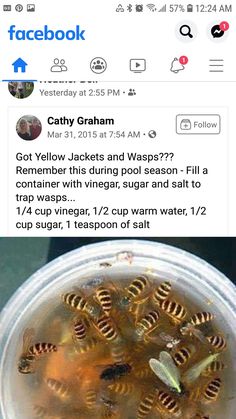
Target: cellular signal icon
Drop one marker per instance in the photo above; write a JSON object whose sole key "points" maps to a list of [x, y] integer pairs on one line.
{"points": [[163, 9], [151, 7]]}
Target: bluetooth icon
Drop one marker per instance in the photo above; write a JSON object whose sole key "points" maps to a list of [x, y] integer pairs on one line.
{"points": [[129, 7]]}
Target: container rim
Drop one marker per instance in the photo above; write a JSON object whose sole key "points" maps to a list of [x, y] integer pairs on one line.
{"points": [[143, 247]]}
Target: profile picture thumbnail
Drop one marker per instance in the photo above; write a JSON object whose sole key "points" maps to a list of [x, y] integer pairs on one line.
{"points": [[28, 127], [20, 90]]}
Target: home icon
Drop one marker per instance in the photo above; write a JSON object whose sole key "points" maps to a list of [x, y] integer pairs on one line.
{"points": [[19, 64]]}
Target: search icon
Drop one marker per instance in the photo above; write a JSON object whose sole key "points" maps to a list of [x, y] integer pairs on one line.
{"points": [[185, 30]]}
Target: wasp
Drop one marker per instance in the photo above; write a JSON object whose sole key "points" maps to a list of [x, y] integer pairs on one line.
{"points": [[87, 345], [58, 388], [189, 327], [173, 309], [183, 355], [78, 302], [135, 290], [115, 371], [107, 328], [201, 318], [212, 390], [146, 405], [103, 296], [147, 324], [169, 404], [91, 399], [161, 293], [118, 353], [31, 353], [79, 329], [218, 342], [214, 367], [122, 388]]}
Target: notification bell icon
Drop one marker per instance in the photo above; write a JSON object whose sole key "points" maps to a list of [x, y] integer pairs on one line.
{"points": [[176, 66]]}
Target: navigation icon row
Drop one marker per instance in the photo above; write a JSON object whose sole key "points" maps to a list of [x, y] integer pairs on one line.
{"points": [[98, 65]]}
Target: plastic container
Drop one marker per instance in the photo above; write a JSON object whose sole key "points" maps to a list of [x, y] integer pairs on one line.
{"points": [[30, 303]]}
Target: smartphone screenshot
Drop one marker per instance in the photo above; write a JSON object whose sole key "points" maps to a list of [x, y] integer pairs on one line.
{"points": [[117, 215]]}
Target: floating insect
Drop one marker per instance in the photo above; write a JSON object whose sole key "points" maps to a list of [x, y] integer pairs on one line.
{"points": [[105, 265], [196, 370], [107, 328], [143, 372], [201, 318], [166, 370], [135, 291], [147, 324], [212, 390], [169, 404], [59, 388], [218, 342], [214, 367], [86, 346], [170, 341], [174, 310], [189, 327], [118, 353], [183, 355], [91, 399], [26, 363], [161, 293], [146, 405], [103, 296], [122, 388], [78, 302], [115, 371], [79, 329]]}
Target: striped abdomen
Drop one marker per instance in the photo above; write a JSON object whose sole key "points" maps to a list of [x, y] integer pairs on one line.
{"points": [[182, 356], [42, 348], [75, 301], [173, 309], [91, 399], [146, 405], [201, 318], [103, 296], [118, 353], [106, 328], [212, 390], [58, 388], [80, 330], [218, 342], [147, 323], [169, 403], [137, 287], [87, 345], [162, 292], [214, 367], [123, 389]]}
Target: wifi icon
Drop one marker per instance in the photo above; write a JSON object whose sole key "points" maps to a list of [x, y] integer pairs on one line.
{"points": [[151, 7]]}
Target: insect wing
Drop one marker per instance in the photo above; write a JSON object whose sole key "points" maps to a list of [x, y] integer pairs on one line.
{"points": [[27, 339], [194, 372], [166, 359], [164, 373]]}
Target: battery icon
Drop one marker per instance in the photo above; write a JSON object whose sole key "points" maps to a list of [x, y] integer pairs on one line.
{"points": [[189, 8]]}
